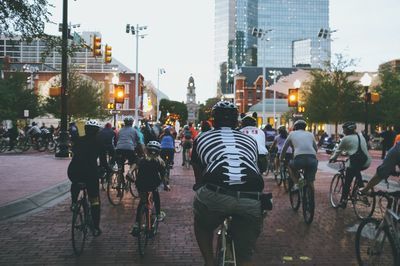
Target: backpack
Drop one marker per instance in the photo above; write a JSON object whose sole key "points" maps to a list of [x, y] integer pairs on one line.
{"points": [[187, 134]]}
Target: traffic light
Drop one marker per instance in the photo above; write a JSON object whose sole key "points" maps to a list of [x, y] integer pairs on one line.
{"points": [[293, 97], [119, 93], [110, 106], [107, 54], [301, 109], [96, 46]]}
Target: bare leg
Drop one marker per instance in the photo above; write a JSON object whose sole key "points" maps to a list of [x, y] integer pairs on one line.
{"points": [[205, 241]]}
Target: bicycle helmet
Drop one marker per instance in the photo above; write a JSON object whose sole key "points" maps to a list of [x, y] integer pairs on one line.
{"points": [[281, 129], [128, 120], [249, 120], [91, 127], [154, 146], [300, 124], [349, 125], [225, 114]]}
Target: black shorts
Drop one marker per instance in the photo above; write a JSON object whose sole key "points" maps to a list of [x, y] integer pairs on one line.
{"points": [[123, 155]]}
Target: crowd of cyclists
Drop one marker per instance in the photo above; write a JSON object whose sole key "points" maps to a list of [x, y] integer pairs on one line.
{"points": [[229, 156]]}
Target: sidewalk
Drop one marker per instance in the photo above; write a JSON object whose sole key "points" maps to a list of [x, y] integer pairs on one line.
{"points": [[30, 181]]}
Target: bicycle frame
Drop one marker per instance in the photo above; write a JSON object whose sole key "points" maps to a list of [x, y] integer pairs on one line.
{"points": [[225, 252]]}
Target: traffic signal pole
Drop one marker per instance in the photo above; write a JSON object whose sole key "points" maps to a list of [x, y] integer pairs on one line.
{"points": [[63, 146]]}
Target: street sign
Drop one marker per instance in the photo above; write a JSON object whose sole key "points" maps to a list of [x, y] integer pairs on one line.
{"points": [[296, 115], [26, 113]]}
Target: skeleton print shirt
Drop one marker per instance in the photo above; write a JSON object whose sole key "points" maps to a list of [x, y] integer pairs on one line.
{"points": [[228, 158]]}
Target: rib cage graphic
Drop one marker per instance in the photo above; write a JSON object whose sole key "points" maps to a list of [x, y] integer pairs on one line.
{"points": [[231, 150]]}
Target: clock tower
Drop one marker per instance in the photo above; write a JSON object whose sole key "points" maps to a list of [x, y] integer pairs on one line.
{"points": [[191, 105]]}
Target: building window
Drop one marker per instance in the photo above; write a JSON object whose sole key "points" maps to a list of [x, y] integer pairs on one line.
{"points": [[241, 95], [249, 95], [126, 103]]}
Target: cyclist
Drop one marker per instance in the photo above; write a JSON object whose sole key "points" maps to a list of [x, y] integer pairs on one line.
{"points": [[83, 169], [270, 134], [106, 138], [187, 140], [249, 128], [227, 182], [305, 153], [387, 168], [349, 145], [167, 146], [34, 132], [127, 141], [278, 143], [151, 171]]}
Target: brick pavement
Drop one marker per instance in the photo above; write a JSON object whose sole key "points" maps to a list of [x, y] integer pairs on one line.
{"points": [[44, 238]]}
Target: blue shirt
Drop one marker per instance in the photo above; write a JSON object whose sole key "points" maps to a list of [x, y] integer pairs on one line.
{"points": [[167, 142]]}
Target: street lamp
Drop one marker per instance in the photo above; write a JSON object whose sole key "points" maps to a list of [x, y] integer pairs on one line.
{"points": [[136, 31], [262, 35], [366, 82], [159, 72], [275, 74]]}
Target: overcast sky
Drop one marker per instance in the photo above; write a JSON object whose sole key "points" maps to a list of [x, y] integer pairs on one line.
{"points": [[180, 36]]}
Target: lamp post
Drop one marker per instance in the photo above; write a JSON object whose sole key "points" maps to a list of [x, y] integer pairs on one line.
{"points": [[160, 72], [262, 35], [63, 146], [136, 31], [366, 82], [275, 74]]}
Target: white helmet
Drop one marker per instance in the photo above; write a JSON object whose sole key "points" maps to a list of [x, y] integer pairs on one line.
{"points": [[92, 123]]}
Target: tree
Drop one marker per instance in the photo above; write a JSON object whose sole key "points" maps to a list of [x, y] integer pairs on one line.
{"points": [[16, 98], [173, 107], [85, 98], [332, 96], [26, 18], [205, 109], [388, 108]]}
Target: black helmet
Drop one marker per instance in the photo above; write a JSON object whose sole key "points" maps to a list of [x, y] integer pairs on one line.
{"points": [[225, 114], [128, 120], [300, 124], [349, 126], [281, 128], [154, 146]]}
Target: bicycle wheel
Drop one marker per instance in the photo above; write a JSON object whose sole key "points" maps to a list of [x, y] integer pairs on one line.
{"points": [[220, 251], [41, 145], [142, 236], [335, 190], [294, 196], [115, 191], [363, 205], [3, 145], [132, 185], [284, 172], [308, 204], [79, 230], [278, 177], [374, 245]]}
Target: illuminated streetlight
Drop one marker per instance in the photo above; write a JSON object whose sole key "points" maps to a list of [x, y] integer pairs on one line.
{"points": [[365, 81]]}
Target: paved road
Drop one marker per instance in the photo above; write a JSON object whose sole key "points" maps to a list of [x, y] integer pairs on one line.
{"points": [[43, 238]]}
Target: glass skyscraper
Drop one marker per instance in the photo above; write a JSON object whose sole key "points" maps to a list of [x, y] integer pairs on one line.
{"points": [[293, 41]]}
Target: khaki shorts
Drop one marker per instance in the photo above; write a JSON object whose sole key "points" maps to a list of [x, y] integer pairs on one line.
{"points": [[210, 209]]}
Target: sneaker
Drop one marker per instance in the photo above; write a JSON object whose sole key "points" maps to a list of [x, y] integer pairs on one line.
{"points": [[135, 230], [342, 204], [161, 216], [167, 188], [295, 188], [96, 232]]}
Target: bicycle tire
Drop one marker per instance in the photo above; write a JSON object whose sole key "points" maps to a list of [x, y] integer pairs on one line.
{"points": [[308, 204], [335, 190], [132, 185], [363, 205], [284, 172], [41, 145], [268, 164], [294, 196], [114, 191], [3, 146], [78, 230], [278, 177], [373, 244], [24, 144], [143, 231]]}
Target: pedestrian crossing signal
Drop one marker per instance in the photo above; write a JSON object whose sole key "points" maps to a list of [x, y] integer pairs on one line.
{"points": [[110, 106]]}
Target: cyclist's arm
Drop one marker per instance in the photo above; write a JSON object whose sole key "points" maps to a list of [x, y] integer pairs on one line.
{"points": [[288, 143], [341, 148]]}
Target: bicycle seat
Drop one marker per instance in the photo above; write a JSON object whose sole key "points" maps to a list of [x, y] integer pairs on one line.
{"points": [[82, 185]]}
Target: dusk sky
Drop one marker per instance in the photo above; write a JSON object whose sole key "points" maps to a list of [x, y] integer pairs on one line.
{"points": [[180, 36]]}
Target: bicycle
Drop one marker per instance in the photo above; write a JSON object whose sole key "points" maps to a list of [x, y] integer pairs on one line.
{"points": [[225, 249], [378, 241], [363, 205], [148, 223], [271, 164], [81, 221], [283, 175], [304, 195], [118, 183]]}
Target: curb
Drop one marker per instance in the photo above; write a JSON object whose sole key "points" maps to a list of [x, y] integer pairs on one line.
{"points": [[33, 201]]}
